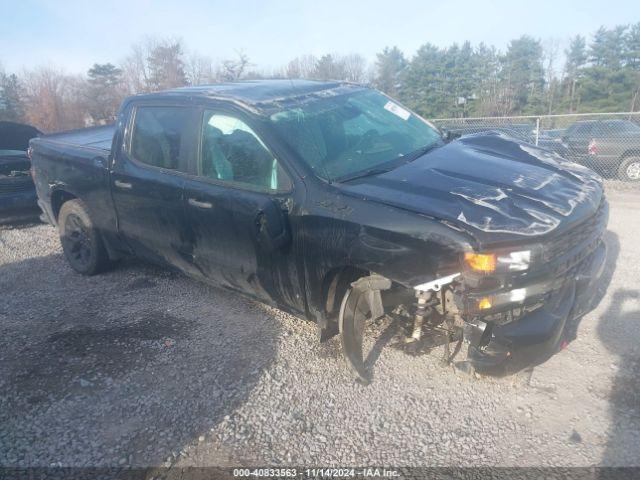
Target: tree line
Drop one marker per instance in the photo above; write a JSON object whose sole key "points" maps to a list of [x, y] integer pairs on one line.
{"points": [[461, 80]]}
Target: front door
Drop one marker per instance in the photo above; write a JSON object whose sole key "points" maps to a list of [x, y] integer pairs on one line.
{"points": [[148, 181], [237, 208]]}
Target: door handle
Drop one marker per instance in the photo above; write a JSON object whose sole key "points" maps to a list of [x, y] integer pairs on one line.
{"points": [[195, 203], [125, 185]]}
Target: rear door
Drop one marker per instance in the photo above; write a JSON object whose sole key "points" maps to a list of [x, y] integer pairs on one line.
{"points": [[237, 207], [147, 180]]}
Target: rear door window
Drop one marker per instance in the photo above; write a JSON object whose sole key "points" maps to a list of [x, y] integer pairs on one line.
{"points": [[582, 131], [161, 136]]}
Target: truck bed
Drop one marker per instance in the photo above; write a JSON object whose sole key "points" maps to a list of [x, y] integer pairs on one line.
{"points": [[98, 138], [75, 162]]}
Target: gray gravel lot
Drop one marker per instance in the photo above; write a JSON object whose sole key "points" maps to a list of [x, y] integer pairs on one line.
{"points": [[141, 366]]}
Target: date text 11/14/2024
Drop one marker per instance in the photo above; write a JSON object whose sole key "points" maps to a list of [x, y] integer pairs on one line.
{"points": [[365, 472]]}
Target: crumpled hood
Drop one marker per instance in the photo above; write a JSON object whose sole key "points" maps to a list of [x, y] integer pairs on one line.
{"points": [[497, 189]]}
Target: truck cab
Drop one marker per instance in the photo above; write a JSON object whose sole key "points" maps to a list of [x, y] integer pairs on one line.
{"points": [[337, 204]]}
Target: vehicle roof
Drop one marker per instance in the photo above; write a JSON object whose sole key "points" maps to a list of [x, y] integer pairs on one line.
{"points": [[250, 92]]}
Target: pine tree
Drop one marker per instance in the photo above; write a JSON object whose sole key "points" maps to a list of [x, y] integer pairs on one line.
{"points": [[608, 47], [11, 103], [576, 58], [424, 89], [104, 92], [632, 50], [389, 66], [522, 77], [485, 71]]}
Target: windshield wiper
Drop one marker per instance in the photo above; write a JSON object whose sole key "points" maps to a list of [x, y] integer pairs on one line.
{"points": [[363, 173], [409, 157]]}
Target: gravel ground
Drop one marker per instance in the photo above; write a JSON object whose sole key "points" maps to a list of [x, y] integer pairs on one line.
{"points": [[141, 366]]}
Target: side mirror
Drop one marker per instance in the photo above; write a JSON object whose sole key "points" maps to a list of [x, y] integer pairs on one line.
{"points": [[448, 135]]}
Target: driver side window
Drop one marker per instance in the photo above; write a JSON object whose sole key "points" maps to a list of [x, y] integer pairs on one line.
{"points": [[232, 152]]}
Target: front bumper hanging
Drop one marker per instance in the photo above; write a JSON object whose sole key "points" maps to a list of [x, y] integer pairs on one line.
{"points": [[538, 334]]}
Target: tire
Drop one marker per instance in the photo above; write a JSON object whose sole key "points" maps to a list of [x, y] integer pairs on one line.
{"points": [[81, 242], [629, 169], [355, 314]]}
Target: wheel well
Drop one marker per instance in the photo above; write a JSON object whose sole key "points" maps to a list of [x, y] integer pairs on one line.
{"points": [[57, 199], [335, 284]]}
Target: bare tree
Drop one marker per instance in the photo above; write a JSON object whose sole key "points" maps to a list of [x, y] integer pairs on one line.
{"points": [[134, 68], [302, 67], [53, 100], [551, 49], [199, 70], [154, 64], [354, 66], [330, 67], [233, 69]]}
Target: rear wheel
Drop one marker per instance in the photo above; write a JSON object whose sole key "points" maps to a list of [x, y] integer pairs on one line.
{"points": [[81, 242], [629, 169]]}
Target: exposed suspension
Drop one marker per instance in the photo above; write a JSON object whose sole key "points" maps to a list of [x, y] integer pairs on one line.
{"points": [[423, 307]]}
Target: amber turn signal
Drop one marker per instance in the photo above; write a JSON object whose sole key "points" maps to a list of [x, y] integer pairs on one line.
{"points": [[481, 262], [484, 303]]}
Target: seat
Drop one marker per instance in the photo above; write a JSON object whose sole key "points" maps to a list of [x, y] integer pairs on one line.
{"points": [[252, 163], [214, 161]]}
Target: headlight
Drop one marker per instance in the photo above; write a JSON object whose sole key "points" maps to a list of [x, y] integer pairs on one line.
{"points": [[516, 261], [498, 262]]}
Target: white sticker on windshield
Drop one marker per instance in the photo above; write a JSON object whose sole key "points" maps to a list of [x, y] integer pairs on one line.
{"points": [[397, 110]]}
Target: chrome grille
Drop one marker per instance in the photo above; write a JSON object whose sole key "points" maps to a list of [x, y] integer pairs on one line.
{"points": [[573, 245]]}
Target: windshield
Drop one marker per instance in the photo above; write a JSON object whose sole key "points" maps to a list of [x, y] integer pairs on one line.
{"points": [[340, 136], [624, 126]]}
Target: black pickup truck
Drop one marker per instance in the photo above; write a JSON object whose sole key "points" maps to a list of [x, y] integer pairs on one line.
{"points": [[335, 203]]}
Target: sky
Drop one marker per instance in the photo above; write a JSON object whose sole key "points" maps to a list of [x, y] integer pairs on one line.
{"points": [[75, 34]]}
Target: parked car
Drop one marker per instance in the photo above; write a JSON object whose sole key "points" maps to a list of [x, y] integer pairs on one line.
{"points": [[553, 134], [552, 140], [335, 203], [611, 147], [522, 132], [456, 131], [17, 191]]}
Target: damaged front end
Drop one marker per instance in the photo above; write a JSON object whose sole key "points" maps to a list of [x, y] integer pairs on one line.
{"points": [[509, 306], [515, 315]]}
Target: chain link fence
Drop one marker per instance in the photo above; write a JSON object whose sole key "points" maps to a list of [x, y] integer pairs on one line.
{"points": [[608, 143]]}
